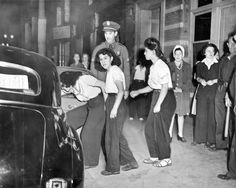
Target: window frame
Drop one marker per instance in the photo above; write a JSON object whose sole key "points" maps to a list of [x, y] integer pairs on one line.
{"points": [[22, 68]]}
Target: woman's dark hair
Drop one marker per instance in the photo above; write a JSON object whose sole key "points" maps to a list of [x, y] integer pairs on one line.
{"points": [[69, 78], [110, 53], [71, 59], [231, 35], [153, 44], [141, 60], [178, 49], [210, 45]]}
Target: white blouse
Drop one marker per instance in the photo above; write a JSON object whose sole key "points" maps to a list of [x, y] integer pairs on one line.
{"points": [[139, 73], [114, 74], [86, 87], [159, 74]]}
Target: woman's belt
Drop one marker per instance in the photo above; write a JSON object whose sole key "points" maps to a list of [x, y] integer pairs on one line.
{"points": [[159, 90], [112, 94], [136, 80]]}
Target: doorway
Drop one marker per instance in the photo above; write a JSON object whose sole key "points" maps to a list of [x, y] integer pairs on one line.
{"points": [[148, 24]]}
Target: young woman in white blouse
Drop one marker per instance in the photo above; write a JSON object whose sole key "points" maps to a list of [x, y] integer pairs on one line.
{"points": [[162, 106], [115, 143]]}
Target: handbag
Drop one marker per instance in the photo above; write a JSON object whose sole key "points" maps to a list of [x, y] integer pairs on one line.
{"points": [[194, 102]]}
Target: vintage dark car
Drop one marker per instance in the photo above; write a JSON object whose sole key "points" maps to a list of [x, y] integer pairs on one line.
{"points": [[37, 147]]}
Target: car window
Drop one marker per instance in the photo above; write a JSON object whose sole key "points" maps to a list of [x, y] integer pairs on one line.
{"points": [[19, 79]]}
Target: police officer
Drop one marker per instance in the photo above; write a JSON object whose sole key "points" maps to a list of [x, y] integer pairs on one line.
{"points": [[110, 29]]}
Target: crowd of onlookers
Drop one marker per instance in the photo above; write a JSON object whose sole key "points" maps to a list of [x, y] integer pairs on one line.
{"points": [[158, 92]]}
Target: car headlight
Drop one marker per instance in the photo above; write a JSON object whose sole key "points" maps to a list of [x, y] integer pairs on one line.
{"points": [[56, 183]]}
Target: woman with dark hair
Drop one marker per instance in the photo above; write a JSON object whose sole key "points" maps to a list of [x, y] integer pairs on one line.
{"points": [[162, 106], [139, 75], [75, 61], [207, 76], [86, 88], [115, 143], [86, 60]]}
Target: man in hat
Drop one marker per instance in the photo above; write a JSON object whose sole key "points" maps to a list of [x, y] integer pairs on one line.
{"points": [[231, 174], [110, 29]]}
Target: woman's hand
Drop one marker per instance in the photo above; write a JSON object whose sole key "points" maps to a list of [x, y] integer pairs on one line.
{"points": [[211, 82], [178, 90], [134, 94], [156, 108], [228, 102], [203, 82], [126, 95], [113, 113]]}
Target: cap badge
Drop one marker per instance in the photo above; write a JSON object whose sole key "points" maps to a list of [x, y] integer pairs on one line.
{"points": [[108, 23]]}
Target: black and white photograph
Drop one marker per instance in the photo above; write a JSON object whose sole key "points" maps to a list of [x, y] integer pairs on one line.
{"points": [[117, 93]]}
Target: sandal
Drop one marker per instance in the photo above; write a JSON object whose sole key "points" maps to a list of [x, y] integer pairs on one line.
{"points": [[212, 147], [150, 161], [163, 163]]}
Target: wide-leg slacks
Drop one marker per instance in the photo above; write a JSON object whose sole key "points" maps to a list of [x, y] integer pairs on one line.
{"points": [[92, 130], [205, 128], [157, 126], [115, 143], [220, 115]]}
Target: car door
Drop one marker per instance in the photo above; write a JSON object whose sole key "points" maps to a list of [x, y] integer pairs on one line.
{"points": [[22, 132]]}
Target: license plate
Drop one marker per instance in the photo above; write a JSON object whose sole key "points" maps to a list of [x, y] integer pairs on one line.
{"points": [[56, 183]]}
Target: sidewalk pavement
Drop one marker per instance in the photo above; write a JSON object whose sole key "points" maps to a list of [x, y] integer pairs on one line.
{"points": [[192, 166]]}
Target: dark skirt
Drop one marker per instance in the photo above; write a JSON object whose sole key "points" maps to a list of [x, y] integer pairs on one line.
{"points": [[137, 105]]}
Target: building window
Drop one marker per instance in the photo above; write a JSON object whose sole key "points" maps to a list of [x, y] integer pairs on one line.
{"points": [[67, 11], [202, 27], [59, 15], [155, 22], [204, 2]]}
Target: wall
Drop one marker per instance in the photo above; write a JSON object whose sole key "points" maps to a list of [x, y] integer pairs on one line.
{"points": [[176, 26]]}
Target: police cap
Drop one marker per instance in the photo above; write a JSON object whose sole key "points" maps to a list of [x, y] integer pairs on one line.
{"points": [[110, 25]]}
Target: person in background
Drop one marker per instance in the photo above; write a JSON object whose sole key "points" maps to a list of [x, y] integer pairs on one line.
{"points": [[75, 61], [137, 104], [181, 78], [85, 60], [87, 88], [231, 163], [115, 143], [110, 29], [207, 77], [162, 106], [223, 96]]}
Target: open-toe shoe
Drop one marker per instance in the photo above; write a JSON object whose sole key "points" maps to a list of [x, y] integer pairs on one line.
{"points": [[163, 163], [149, 161]]}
